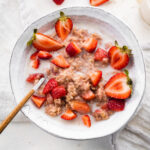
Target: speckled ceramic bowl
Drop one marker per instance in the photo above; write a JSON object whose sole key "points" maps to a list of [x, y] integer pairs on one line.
{"points": [[94, 20]]}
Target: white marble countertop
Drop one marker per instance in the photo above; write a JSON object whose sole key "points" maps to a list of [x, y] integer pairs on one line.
{"points": [[25, 135]]}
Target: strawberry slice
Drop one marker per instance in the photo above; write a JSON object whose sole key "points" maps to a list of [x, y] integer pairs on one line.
{"points": [[38, 101], [35, 63], [51, 84], [58, 92], [100, 54], [60, 62], [35, 76], [119, 86], [90, 44], [44, 55], [34, 55], [58, 2], [96, 77], [97, 2], [89, 95], [63, 26], [86, 120], [44, 42], [72, 49], [116, 104], [80, 107], [119, 57], [69, 115]]}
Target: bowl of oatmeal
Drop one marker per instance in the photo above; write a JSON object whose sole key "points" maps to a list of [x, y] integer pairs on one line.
{"points": [[94, 71]]}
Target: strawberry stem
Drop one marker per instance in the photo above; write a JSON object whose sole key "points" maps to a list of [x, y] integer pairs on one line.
{"points": [[129, 81], [63, 17], [33, 38]]}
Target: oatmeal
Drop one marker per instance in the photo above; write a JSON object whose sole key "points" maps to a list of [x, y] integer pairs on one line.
{"points": [[75, 80]]}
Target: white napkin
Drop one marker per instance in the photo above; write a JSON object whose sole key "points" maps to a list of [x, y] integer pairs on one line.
{"points": [[13, 22]]}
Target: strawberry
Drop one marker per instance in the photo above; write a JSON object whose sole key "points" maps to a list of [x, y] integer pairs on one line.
{"points": [[51, 84], [119, 86], [116, 104], [35, 63], [119, 56], [38, 101], [97, 2], [105, 106], [90, 44], [60, 62], [58, 92], [72, 49], [63, 26], [89, 95], [69, 115], [96, 77], [58, 2], [44, 55], [35, 76], [100, 54], [86, 120], [44, 42], [34, 55], [80, 107]]}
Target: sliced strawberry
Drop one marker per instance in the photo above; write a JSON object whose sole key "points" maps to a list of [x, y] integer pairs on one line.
{"points": [[60, 62], [105, 106], [63, 26], [38, 101], [119, 57], [51, 84], [44, 42], [72, 49], [58, 2], [116, 104], [34, 55], [100, 54], [86, 120], [80, 107], [89, 95], [96, 77], [35, 63], [119, 86], [58, 92], [44, 55], [35, 76], [90, 44], [97, 2], [69, 115]]}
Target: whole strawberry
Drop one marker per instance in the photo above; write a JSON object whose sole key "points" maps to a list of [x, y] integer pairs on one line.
{"points": [[58, 2]]}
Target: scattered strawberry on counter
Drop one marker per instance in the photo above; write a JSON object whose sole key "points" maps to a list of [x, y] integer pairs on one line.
{"points": [[58, 2], [97, 2]]}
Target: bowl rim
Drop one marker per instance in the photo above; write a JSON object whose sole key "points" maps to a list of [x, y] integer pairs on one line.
{"points": [[57, 11]]}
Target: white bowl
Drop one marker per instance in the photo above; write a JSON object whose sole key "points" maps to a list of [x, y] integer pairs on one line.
{"points": [[95, 20]]}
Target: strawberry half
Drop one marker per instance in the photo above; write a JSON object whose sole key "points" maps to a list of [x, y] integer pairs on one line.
{"points": [[89, 95], [96, 77], [116, 104], [60, 61], [44, 55], [80, 107], [100, 54], [35, 63], [58, 92], [34, 55], [63, 26], [44, 42], [51, 84], [90, 44], [119, 86], [97, 2], [72, 49], [35, 76], [86, 120], [38, 101], [119, 57], [69, 115]]}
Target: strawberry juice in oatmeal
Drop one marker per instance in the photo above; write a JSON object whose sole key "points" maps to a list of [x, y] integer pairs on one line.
{"points": [[82, 77]]}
